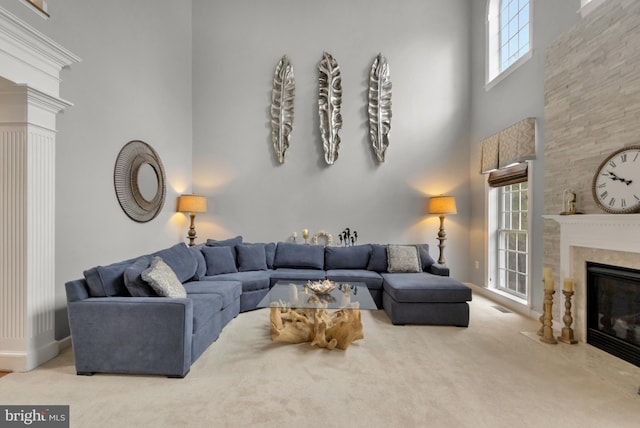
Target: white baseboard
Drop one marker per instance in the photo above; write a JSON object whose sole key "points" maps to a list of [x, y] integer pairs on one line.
{"points": [[508, 303]]}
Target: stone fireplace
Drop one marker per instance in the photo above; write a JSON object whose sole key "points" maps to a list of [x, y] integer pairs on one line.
{"points": [[600, 238]]}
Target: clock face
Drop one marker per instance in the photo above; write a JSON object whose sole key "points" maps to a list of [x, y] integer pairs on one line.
{"points": [[616, 185]]}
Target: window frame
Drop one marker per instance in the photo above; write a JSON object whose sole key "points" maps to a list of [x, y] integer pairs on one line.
{"points": [[492, 195], [492, 45]]}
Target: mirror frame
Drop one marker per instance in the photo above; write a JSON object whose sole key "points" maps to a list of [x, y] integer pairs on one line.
{"points": [[132, 156]]}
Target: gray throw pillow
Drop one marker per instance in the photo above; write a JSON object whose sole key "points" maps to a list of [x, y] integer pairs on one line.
{"points": [[403, 258], [219, 260], [163, 279]]}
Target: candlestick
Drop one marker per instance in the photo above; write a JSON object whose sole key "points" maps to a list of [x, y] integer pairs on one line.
{"points": [[567, 332], [547, 332], [546, 273], [568, 285], [549, 284], [305, 235]]}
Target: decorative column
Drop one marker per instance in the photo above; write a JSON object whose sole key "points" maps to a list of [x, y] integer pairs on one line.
{"points": [[30, 64]]}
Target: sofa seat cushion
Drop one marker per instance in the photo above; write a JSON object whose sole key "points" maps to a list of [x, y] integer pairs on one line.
{"points": [[205, 307], [251, 281], [372, 279], [286, 274], [424, 288], [229, 290]]}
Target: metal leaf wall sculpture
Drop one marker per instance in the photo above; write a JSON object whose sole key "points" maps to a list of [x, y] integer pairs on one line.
{"points": [[282, 96], [329, 104], [379, 106]]}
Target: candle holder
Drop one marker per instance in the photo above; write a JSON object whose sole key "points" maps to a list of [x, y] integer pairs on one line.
{"points": [[540, 331], [547, 331], [567, 332]]}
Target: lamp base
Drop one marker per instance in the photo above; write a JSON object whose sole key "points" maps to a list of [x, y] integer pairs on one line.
{"points": [[192, 231]]}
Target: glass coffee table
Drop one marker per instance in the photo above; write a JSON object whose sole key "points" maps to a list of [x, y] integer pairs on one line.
{"points": [[298, 314]]}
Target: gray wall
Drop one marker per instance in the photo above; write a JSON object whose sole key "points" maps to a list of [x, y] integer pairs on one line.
{"points": [[236, 48], [134, 83], [518, 96]]}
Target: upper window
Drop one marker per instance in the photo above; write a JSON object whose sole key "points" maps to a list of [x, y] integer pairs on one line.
{"points": [[514, 31], [508, 36]]}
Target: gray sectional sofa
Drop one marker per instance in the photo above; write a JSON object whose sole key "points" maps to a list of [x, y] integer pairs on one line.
{"points": [[119, 324]]}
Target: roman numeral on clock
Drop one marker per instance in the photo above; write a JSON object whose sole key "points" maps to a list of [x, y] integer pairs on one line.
{"points": [[612, 202], [604, 195]]}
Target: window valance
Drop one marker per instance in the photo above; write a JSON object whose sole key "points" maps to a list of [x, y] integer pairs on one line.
{"points": [[512, 145]]}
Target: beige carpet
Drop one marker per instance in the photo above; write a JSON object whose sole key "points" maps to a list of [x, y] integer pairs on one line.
{"points": [[488, 375]]}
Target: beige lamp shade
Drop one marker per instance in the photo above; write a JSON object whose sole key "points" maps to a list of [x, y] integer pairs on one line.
{"points": [[442, 205], [192, 204]]}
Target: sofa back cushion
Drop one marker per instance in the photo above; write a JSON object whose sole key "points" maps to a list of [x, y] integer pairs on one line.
{"points": [[219, 260], [356, 257], [299, 256], [201, 270], [378, 259], [107, 281], [251, 257], [425, 258], [180, 260]]}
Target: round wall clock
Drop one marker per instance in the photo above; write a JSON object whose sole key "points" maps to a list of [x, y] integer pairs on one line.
{"points": [[616, 184]]}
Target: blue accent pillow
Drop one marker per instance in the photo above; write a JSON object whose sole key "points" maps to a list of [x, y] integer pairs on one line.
{"points": [[219, 260], [251, 257], [133, 280], [300, 256], [231, 242], [356, 257], [378, 259]]}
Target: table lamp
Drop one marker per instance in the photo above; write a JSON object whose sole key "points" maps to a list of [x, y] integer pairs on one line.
{"points": [[192, 204], [442, 205]]}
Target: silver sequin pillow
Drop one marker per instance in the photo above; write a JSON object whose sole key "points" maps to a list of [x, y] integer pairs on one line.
{"points": [[163, 279], [403, 258]]}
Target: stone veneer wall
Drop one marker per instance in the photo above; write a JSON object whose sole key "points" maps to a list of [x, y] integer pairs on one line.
{"points": [[592, 107]]}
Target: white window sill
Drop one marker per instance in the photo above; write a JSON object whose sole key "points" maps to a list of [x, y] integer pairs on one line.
{"points": [[590, 7], [513, 67]]}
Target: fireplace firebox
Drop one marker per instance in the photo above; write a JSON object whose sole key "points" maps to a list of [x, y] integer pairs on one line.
{"points": [[613, 310]]}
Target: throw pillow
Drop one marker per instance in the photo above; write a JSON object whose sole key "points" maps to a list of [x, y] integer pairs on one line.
{"points": [[231, 242], [133, 280], [219, 260], [403, 258], [163, 279], [201, 271], [251, 257], [378, 260]]}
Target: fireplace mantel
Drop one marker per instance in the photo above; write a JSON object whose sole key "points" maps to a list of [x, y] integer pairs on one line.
{"points": [[616, 237]]}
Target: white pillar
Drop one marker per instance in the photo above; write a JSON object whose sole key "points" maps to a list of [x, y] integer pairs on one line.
{"points": [[29, 64]]}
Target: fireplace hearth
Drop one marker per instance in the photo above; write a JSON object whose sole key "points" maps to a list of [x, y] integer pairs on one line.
{"points": [[613, 310]]}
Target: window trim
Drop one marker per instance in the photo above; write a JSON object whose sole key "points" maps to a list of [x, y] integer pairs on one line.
{"points": [[493, 75], [491, 223]]}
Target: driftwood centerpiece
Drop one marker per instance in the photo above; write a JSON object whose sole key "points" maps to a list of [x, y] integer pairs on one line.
{"points": [[323, 329]]}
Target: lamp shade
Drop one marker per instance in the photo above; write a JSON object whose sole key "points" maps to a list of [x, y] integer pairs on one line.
{"points": [[192, 204], [442, 205]]}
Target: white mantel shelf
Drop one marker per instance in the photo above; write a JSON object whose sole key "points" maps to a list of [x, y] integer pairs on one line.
{"points": [[601, 219]]}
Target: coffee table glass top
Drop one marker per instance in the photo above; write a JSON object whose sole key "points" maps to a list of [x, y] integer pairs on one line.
{"points": [[296, 294]]}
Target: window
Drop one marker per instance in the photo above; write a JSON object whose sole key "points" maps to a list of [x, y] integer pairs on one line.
{"points": [[508, 36], [514, 31], [513, 239]]}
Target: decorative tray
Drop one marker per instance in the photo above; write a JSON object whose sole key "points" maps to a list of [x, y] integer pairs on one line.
{"points": [[321, 287]]}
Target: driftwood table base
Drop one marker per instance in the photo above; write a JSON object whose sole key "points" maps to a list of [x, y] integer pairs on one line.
{"points": [[323, 329]]}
